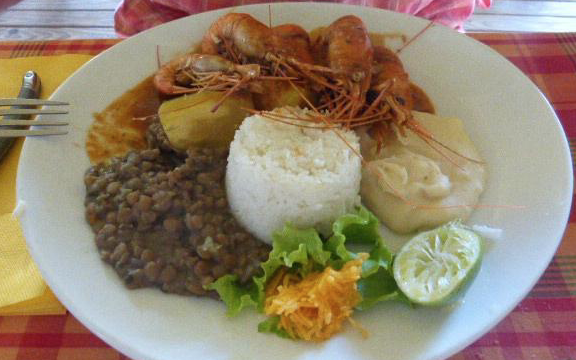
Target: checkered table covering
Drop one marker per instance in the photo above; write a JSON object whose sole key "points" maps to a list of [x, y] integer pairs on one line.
{"points": [[541, 327]]}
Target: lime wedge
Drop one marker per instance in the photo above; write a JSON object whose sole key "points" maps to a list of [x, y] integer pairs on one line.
{"points": [[434, 267]]}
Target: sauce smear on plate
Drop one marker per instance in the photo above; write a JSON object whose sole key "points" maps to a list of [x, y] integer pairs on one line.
{"points": [[116, 129]]}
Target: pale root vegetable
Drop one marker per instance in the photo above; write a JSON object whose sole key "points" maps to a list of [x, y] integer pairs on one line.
{"points": [[190, 122], [281, 93]]}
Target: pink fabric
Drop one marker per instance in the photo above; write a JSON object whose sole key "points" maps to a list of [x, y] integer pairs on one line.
{"points": [[4, 4], [133, 16]]}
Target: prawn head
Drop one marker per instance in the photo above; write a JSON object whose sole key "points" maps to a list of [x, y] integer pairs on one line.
{"points": [[237, 37], [349, 53], [175, 76]]}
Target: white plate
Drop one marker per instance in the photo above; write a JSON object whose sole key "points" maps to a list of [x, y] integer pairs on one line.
{"points": [[511, 122]]}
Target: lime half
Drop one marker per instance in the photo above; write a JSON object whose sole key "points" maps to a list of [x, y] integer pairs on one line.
{"points": [[433, 267]]}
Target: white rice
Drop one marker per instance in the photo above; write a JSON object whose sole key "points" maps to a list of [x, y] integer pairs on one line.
{"points": [[280, 173]]}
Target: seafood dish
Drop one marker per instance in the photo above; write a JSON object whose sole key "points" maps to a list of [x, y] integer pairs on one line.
{"points": [[249, 167]]}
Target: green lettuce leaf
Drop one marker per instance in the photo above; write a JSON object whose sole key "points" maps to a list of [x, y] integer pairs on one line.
{"points": [[360, 227], [270, 325], [235, 296], [303, 251], [380, 257], [379, 286], [297, 249]]}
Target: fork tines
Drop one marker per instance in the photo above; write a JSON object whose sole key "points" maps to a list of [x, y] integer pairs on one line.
{"points": [[29, 102], [20, 133], [15, 120], [32, 123]]}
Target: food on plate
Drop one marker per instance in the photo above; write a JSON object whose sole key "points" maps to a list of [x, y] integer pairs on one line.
{"points": [[192, 72], [311, 309], [243, 39], [114, 131], [435, 266], [347, 51], [411, 184], [239, 36], [279, 94], [282, 172], [291, 41], [389, 67], [312, 284], [314, 308], [189, 122], [360, 84], [239, 53], [420, 100], [161, 219], [191, 195]]}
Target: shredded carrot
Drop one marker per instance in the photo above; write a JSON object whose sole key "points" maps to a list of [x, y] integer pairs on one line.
{"points": [[314, 307]]}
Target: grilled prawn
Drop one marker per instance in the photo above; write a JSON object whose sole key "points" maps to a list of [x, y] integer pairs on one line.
{"points": [[192, 72]]}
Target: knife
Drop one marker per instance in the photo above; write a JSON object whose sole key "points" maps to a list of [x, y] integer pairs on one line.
{"points": [[30, 90]]}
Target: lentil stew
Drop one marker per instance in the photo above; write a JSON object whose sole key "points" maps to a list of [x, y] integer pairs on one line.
{"points": [[161, 219]]}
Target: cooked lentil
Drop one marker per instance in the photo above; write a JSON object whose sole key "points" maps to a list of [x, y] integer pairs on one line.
{"points": [[161, 219]]}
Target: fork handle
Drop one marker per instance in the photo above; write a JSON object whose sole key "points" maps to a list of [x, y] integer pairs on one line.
{"points": [[30, 90]]}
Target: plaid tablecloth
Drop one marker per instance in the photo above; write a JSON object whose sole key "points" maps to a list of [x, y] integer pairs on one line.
{"points": [[541, 327]]}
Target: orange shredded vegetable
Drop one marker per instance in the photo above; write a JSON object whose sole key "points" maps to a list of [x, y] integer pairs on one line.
{"points": [[315, 307]]}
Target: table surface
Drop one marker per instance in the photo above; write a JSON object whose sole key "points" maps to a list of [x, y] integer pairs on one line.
{"points": [[541, 327], [81, 19]]}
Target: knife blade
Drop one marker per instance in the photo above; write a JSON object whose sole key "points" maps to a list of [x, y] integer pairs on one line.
{"points": [[30, 89]]}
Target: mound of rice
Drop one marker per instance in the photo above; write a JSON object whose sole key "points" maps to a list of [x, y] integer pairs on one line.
{"points": [[280, 173]]}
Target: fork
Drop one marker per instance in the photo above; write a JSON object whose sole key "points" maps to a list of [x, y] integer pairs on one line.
{"points": [[20, 108], [16, 118]]}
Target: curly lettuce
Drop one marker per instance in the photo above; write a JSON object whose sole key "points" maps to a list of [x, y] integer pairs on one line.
{"points": [[303, 251]]}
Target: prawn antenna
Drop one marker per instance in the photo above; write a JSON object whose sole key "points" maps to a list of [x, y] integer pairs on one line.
{"points": [[158, 56], [430, 24]]}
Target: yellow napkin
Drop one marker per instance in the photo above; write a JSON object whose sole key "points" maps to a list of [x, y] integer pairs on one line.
{"points": [[22, 290]]}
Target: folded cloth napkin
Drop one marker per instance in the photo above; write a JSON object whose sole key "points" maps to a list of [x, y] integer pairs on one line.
{"points": [[133, 16], [22, 290]]}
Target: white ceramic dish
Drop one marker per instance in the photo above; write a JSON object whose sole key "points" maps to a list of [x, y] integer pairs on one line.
{"points": [[511, 122]]}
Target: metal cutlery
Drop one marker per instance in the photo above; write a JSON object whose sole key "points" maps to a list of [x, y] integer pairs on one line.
{"points": [[16, 119]]}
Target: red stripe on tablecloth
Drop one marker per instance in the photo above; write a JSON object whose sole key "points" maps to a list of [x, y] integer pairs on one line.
{"points": [[45, 324], [77, 340], [45, 340], [543, 64], [527, 339], [547, 304], [572, 217], [77, 47], [52, 45], [566, 38], [568, 119], [52, 340], [10, 339]]}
